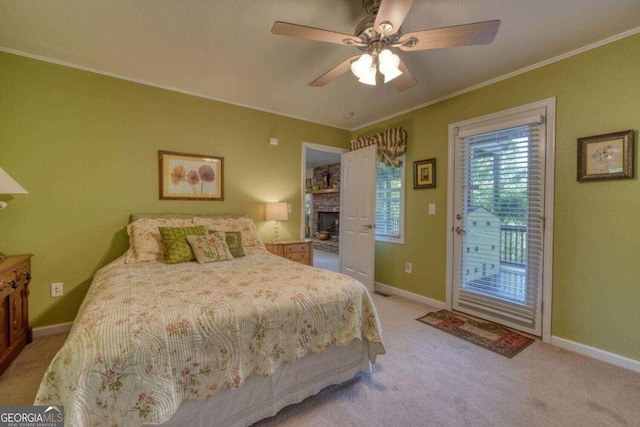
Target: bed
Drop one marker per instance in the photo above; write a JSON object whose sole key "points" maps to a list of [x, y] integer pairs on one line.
{"points": [[220, 343]]}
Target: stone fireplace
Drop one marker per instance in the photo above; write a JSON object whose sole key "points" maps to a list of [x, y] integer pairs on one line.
{"points": [[325, 208], [329, 222]]}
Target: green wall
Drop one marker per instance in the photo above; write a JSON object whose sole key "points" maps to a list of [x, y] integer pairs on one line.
{"points": [[596, 272], [85, 147]]}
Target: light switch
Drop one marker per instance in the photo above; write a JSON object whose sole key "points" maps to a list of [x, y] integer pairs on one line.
{"points": [[432, 208]]}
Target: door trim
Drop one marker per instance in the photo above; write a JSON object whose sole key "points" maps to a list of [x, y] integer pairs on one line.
{"points": [[547, 272], [318, 147]]}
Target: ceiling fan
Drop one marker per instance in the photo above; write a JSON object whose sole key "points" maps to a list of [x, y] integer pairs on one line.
{"points": [[381, 31]]}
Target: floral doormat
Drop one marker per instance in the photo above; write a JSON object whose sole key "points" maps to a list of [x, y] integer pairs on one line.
{"points": [[483, 333]]}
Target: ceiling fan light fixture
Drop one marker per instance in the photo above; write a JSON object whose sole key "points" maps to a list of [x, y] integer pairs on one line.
{"points": [[389, 62], [392, 75], [370, 76], [361, 66]]}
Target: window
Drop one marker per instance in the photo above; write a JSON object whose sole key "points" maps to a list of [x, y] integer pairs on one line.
{"points": [[390, 203]]}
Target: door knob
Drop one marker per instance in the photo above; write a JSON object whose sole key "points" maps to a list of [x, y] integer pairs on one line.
{"points": [[458, 217], [459, 230]]}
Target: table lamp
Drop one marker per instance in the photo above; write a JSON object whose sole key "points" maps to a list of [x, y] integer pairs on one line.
{"points": [[8, 185], [276, 211]]}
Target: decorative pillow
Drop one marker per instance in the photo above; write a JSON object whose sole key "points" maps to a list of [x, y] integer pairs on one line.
{"points": [[234, 241], [176, 245], [210, 248], [245, 225], [145, 242]]}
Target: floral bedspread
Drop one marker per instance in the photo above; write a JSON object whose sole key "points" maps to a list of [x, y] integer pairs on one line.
{"points": [[150, 335]]}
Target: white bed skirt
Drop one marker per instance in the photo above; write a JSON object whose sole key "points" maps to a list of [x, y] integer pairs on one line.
{"points": [[262, 397]]}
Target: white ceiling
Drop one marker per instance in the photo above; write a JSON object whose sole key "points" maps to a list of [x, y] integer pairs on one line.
{"points": [[317, 158], [224, 50]]}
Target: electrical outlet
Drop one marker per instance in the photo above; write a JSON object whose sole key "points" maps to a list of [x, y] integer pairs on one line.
{"points": [[56, 290], [407, 267], [432, 208]]}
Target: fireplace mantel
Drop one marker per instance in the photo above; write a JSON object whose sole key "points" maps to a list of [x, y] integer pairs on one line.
{"points": [[324, 191]]}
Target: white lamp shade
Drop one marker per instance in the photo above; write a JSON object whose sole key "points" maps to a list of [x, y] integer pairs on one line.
{"points": [[360, 67], [389, 62], [276, 211], [391, 75], [370, 77], [9, 185]]}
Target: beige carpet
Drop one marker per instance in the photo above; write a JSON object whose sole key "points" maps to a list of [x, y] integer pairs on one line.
{"points": [[430, 378]]}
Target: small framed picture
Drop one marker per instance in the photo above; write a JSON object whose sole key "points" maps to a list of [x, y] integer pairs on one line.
{"points": [[190, 176], [424, 174], [608, 156]]}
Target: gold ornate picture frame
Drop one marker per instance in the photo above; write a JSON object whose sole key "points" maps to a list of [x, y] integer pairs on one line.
{"points": [[607, 156], [190, 176]]}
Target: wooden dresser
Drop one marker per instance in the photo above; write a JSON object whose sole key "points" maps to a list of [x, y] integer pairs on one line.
{"points": [[15, 332], [296, 250]]}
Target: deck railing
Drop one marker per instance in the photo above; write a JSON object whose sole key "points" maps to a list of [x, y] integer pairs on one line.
{"points": [[513, 244]]}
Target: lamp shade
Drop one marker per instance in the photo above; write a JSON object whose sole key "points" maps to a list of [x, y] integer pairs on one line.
{"points": [[362, 65], [370, 77], [9, 185], [276, 211]]}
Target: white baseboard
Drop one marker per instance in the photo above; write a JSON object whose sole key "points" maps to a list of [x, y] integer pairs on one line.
{"points": [[596, 353], [44, 331], [409, 295]]}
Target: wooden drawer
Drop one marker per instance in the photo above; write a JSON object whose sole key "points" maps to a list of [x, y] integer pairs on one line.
{"points": [[5, 287], [274, 249], [298, 257], [15, 274], [298, 251], [14, 277], [295, 248]]}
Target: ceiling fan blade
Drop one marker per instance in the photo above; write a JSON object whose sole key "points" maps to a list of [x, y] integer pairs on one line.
{"points": [[405, 80], [335, 72], [302, 32], [393, 12], [459, 35]]}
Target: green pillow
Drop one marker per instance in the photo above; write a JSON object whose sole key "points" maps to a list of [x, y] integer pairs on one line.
{"points": [[234, 241], [175, 242]]}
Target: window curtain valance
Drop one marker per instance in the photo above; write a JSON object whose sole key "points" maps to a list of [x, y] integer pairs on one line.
{"points": [[391, 144]]}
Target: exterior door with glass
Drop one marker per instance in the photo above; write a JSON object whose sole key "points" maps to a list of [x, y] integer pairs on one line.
{"points": [[499, 218]]}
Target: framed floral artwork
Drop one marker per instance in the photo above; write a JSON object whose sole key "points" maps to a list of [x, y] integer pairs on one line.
{"points": [[190, 176], [424, 174], [608, 156]]}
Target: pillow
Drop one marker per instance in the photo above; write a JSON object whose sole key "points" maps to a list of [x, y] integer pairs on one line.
{"points": [[244, 224], [176, 245], [210, 248], [234, 242], [145, 241]]}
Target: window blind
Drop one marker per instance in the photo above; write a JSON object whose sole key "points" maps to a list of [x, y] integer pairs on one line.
{"points": [[503, 205], [389, 203]]}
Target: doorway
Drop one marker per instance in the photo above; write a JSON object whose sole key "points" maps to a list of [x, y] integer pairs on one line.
{"points": [[321, 202], [501, 217]]}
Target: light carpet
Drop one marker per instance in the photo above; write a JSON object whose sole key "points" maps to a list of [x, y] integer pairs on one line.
{"points": [[431, 378]]}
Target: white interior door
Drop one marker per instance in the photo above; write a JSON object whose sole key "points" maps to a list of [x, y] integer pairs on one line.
{"points": [[357, 215], [498, 218]]}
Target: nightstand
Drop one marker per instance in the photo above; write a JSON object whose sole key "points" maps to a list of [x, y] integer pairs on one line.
{"points": [[296, 250], [15, 332]]}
